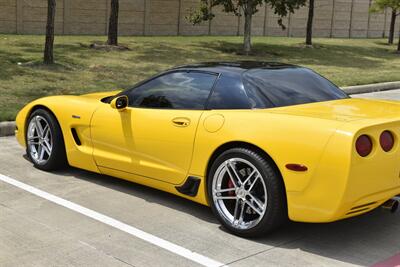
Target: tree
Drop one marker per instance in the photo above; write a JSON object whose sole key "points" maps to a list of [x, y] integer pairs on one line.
{"points": [[113, 24], [398, 45], [248, 8], [310, 22], [380, 5], [48, 49], [392, 25]]}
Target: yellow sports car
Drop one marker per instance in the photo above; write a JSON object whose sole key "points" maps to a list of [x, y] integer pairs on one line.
{"points": [[258, 142]]}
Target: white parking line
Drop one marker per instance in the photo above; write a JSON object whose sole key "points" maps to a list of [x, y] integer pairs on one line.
{"points": [[178, 250]]}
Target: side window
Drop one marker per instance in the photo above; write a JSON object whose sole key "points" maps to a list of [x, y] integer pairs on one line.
{"points": [[177, 90], [229, 94]]}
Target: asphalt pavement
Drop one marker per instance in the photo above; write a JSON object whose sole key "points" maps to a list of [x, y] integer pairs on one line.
{"points": [[77, 218]]}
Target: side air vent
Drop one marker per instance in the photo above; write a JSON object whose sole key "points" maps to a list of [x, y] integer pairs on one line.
{"points": [[190, 187], [76, 137]]}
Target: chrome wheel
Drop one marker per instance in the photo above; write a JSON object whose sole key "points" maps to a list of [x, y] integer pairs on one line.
{"points": [[239, 193], [39, 139]]}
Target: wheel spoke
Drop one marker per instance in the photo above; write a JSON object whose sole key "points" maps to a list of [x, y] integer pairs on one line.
{"points": [[32, 138], [251, 175], [39, 127], [231, 176], [254, 182], [46, 149], [241, 212], [235, 177], [253, 208], [32, 143], [257, 201], [47, 144], [235, 172], [46, 131], [236, 211], [225, 197], [40, 152], [225, 190]]}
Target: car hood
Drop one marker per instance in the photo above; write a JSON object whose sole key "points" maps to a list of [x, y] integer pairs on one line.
{"points": [[100, 95], [349, 109]]}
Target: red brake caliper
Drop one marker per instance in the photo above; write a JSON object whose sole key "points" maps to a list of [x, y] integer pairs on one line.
{"points": [[231, 185]]}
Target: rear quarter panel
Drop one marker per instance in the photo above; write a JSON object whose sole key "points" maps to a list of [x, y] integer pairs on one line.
{"points": [[285, 138], [346, 184]]}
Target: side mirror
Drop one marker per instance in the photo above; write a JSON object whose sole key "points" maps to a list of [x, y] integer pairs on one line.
{"points": [[120, 102]]}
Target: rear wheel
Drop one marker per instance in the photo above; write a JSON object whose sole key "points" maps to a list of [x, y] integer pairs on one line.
{"points": [[246, 193], [45, 143]]}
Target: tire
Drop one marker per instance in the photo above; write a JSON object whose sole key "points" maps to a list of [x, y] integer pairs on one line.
{"points": [[263, 190], [45, 143]]}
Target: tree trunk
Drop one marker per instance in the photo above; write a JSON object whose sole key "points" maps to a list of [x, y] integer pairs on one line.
{"points": [[248, 15], [398, 45], [48, 49], [113, 23], [310, 23], [392, 25]]}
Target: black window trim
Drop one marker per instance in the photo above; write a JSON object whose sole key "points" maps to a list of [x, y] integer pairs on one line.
{"points": [[170, 72]]}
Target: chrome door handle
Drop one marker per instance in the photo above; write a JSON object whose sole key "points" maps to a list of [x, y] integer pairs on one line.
{"points": [[181, 122]]}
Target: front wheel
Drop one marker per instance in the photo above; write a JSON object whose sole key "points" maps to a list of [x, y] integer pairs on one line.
{"points": [[246, 193], [45, 142]]}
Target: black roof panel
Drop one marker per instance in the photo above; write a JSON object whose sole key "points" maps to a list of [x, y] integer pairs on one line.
{"points": [[235, 66]]}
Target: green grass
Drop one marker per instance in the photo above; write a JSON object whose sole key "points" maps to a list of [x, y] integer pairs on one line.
{"points": [[80, 69]]}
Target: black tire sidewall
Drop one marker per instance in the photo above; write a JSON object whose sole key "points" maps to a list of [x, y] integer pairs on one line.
{"points": [[276, 210], [57, 158]]}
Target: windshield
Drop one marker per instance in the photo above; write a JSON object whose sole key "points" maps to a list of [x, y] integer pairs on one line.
{"points": [[288, 86]]}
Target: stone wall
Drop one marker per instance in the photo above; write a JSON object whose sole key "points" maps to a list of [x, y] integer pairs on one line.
{"points": [[333, 18]]}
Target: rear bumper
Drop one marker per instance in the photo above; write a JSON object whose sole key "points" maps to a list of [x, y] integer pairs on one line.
{"points": [[345, 184], [366, 204], [329, 210]]}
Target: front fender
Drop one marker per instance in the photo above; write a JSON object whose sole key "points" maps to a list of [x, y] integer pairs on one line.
{"points": [[71, 112]]}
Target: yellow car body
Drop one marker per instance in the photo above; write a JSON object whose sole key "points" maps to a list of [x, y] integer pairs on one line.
{"points": [[144, 146]]}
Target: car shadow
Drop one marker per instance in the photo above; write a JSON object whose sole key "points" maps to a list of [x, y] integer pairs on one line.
{"points": [[140, 191], [362, 240]]}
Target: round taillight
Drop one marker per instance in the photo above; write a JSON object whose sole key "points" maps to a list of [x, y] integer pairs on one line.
{"points": [[364, 145], [386, 140]]}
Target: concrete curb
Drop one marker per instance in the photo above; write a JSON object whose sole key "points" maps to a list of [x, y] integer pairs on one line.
{"points": [[8, 128], [369, 88]]}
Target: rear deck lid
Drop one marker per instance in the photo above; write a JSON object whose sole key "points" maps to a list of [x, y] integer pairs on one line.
{"points": [[349, 109]]}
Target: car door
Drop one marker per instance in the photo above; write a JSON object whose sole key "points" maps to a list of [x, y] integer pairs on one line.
{"points": [[154, 136]]}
